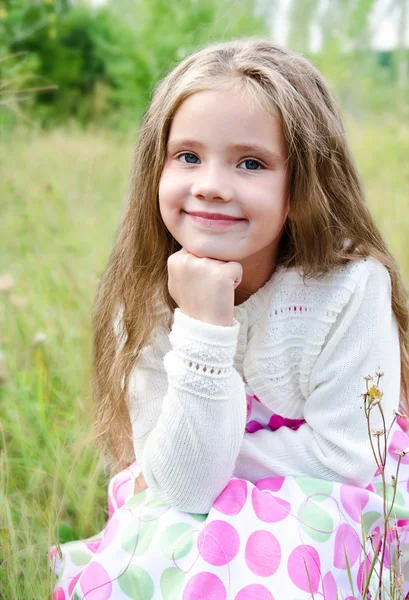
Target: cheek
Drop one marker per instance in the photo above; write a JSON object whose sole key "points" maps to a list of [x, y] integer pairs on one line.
{"points": [[169, 193]]}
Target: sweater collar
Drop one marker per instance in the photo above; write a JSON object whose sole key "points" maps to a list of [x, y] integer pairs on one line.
{"points": [[255, 305]]}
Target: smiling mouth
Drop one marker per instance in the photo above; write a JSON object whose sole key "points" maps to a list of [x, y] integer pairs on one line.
{"points": [[211, 222]]}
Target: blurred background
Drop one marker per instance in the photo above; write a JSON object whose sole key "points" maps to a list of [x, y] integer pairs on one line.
{"points": [[75, 78]]}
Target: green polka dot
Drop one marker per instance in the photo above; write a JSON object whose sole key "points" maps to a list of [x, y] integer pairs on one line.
{"points": [[136, 500], [177, 541], [314, 517], [198, 517], [155, 503], [171, 583], [136, 539], [320, 488], [399, 510], [80, 557], [369, 519], [136, 583]]}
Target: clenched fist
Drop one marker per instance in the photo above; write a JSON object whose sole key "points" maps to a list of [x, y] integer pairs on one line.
{"points": [[203, 288]]}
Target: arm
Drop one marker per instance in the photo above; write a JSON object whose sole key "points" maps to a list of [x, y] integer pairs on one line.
{"points": [[188, 423], [333, 444]]}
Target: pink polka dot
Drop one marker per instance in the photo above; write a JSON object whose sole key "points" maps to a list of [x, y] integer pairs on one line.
{"points": [[249, 400], [268, 508], [218, 543], [58, 594], [273, 484], [400, 441], [96, 583], [111, 508], [347, 542], [329, 587], [53, 553], [263, 553], [403, 423], [377, 542], [123, 488], [354, 500], [371, 488], [109, 533], [304, 568], [253, 426], [94, 545], [73, 584], [204, 586], [233, 497], [363, 573], [277, 421], [254, 592]]}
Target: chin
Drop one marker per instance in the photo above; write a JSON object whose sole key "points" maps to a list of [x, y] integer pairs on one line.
{"points": [[209, 252]]}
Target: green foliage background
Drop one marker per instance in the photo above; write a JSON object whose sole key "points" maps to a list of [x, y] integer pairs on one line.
{"points": [[65, 155]]}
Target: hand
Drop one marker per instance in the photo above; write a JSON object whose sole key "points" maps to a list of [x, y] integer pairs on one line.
{"points": [[140, 484], [203, 288]]}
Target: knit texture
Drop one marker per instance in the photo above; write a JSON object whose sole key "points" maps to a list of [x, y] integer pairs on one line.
{"points": [[304, 347]]}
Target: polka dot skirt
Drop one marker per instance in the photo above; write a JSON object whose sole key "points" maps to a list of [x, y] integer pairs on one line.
{"points": [[282, 537]]}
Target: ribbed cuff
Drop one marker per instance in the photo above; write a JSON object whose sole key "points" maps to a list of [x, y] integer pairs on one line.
{"points": [[205, 343]]}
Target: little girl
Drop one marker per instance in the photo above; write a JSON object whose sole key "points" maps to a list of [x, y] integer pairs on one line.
{"points": [[248, 296]]}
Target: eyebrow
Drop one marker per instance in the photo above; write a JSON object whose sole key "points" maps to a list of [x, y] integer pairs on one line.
{"points": [[251, 148]]}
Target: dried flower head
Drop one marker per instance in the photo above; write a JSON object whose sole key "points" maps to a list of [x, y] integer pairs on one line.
{"points": [[402, 452], [368, 378], [6, 282], [375, 392], [378, 432], [39, 339], [374, 395], [18, 302], [398, 582]]}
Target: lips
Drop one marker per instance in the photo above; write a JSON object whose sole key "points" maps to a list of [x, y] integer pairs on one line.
{"points": [[216, 222], [214, 216]]}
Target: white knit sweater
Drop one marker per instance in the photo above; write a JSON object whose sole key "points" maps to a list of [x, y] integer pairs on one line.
{"points": [[304, 348]]}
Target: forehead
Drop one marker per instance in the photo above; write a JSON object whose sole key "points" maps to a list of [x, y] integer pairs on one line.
{"points": [[217, 118]]}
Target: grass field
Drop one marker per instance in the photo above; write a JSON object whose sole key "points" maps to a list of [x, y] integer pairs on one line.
{"points": [[61, 194]]}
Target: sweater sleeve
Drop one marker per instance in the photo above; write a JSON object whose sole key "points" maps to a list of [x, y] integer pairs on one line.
{"points": [[334, 444], [188, 413]]}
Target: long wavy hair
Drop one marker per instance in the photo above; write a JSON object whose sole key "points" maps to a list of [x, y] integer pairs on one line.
{"points": [[328, 224]]}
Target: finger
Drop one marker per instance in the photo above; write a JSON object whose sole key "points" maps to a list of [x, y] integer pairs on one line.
{"points": [[235, 272]]}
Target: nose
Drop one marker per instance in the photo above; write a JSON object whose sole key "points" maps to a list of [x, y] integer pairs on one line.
{"points": [[213, 185]]}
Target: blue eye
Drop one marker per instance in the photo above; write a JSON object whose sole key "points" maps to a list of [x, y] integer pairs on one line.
{"points": [[188, 154], [253, 162], [192, 159]]}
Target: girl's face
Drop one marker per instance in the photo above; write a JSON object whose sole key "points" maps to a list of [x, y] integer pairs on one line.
{"points": [[225, 157]]}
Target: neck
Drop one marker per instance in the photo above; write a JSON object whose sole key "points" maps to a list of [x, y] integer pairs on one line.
{"points": [[255, 275]]}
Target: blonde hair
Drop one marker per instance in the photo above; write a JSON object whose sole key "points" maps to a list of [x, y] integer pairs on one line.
{"points": [[328, 224]]}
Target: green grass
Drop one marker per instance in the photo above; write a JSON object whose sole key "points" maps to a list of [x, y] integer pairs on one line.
{"points": [[61, 195]]}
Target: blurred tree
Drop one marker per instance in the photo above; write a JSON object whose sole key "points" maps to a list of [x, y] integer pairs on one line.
{"points": [[152, 36], [361, 76], [106, 59], [303, 14], [20, 77]]}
